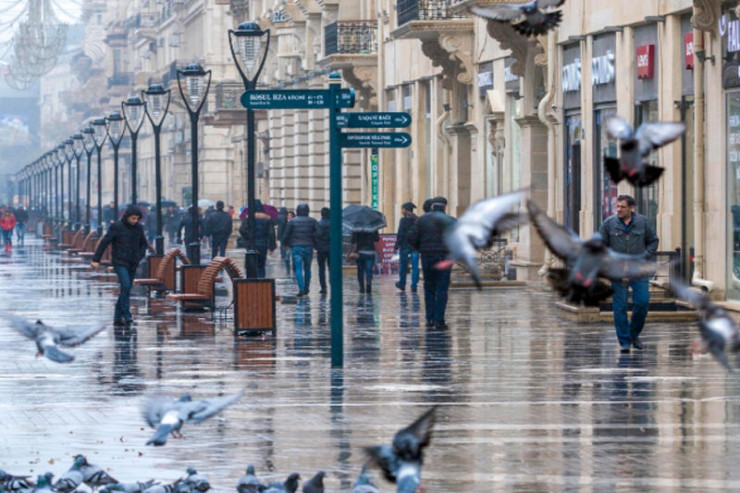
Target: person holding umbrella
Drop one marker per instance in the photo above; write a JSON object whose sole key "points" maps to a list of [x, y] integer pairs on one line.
{"points": [[172, 222], [264, 235], [404, 249], [300, 237], [364, 224]]}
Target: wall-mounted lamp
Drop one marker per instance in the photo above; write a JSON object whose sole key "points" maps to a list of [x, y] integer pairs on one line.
{"points": [[701, 55]]}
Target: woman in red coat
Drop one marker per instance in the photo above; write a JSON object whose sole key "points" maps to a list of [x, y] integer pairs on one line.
{"points": [[7, 223]]}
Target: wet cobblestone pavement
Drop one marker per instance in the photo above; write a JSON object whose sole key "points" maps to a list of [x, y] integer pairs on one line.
{"points": [[529, 401]]}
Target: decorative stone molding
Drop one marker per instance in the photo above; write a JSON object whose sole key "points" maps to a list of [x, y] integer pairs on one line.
{"points": [[511, 40], [360, 71], [706, 14], [459, 46]]}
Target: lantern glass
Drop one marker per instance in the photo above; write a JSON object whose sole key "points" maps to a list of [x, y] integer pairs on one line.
{"points": [[69, 150], [77, 144], [134, 112], [88, 139], [115, 128]]}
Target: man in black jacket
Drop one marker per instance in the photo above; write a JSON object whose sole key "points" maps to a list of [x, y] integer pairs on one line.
{"points": [[129, 247], [219, 227], [264, 235], [172, 222], [405, 252], [109, 214], [427, 237], [323, 247], [300, 236]]}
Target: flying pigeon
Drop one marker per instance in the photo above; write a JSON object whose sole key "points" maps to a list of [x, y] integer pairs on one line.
{"points": [[72, 479], [315, 484], [198, 482], [529, 19], [168, 415], [43, 483], [48, 339], [249, 482], [635, 146], [13, 484], [363, 484], [94, 476], [401, 462], [585, 262], [137, 487], [290, 485], [476, 228], [718, 331]]}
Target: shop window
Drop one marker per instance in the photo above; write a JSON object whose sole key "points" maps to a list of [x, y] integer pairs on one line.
{"points": [[572, 182], [606, 191], [733, 193], [647, 197]]}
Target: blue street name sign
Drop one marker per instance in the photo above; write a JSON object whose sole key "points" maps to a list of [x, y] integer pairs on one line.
{"points": [[374, 139], [283, 99], [374, 120]]}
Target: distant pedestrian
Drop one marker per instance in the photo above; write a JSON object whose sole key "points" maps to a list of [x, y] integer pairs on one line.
{"points": [[172, 222], [186, 224], [264, 235], [364, 245], [300, 237], [323, 247], [128, 241], [405, 252], [281, 221], [21, 217], [630, 233], [285, 251], [151, 224], [7, 223], [110, 214], [219, 226], [427, 237]]}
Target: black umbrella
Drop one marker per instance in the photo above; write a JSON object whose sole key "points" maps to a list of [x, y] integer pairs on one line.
{"points": [[168, 203], [362, 219]]}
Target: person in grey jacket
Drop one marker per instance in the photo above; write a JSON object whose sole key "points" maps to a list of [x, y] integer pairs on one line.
{"points": [[323, 247], [300, 237], [632, 234]]}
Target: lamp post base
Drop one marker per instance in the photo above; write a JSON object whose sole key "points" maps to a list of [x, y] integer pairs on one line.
{"points": [[251, 262], [159, 244], [194, 253]]}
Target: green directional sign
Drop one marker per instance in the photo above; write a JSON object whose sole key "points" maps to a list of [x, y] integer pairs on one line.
{"points": [[374, 120], [283, 99], [374, 139]]}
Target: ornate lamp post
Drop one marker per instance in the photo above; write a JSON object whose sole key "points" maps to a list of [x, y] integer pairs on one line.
{"points": [[249, 54], [49, 167], [116, 128], [78, 148], [197, 83], [69, 155], [157, 103], [100, 133], [133, 112], [54, 163], [61, 158], [88, 142]]}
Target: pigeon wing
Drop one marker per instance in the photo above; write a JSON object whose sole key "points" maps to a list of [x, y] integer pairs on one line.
{"points": [[421, 429], [618, 266], [550, 4], [618, 128], [155, 408], [383, 457], [483, 218], [210, 407], [560, 240], [25, 327], [691, 296], [71, 337], [504, 12], [653, 135]]}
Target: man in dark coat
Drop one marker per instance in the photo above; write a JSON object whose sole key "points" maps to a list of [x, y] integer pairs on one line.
{"points": [[109, 215], [281, 221], [171, 222], [300, 236], [322, 247], [264, 235], [129, 248], [405, 252], [363, 243], [427, 237], [21, 217], [219, 227], [186, 223]]}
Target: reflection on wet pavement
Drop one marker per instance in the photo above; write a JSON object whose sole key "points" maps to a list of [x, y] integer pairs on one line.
{"points": [[529, 402]]}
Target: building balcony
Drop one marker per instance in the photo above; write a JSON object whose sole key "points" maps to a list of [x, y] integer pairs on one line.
{"points": [[223, 107], [425, 10], [351, 37], [124, 79]]}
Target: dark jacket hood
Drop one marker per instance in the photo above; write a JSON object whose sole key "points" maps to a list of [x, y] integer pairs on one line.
{"points": [[131, 210], [302, 210]]}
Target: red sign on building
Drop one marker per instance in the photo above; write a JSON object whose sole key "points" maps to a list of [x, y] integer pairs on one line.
{"points": [[646, 62], [688, 50], [385, 252]]}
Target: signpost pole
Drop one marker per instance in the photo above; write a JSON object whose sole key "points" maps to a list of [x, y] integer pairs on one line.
{"points": [[335, 248]]}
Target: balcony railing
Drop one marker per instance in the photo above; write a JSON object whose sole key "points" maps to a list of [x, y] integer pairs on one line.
{"points": [[357, 37], [424, 10], [228, 96], [120, 80]]}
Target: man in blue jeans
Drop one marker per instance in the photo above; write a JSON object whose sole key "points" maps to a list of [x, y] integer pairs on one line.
{"points": [[632, 234], [300, 236], [405, 252], [129, 245]]}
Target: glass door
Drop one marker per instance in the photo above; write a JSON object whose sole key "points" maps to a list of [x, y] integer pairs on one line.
{"points": [[572, 182], [605, 198], [733, 194], [647, 197]]}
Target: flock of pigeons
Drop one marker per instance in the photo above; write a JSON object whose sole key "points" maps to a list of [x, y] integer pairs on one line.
{"points": [[401, 463]]}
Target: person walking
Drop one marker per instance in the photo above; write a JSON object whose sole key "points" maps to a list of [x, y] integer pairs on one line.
{"points": [[426, 236], [151, 224], [405, 252], [264, 236], [630, 233], [7, 223], [186, 224], [171, 222], [109, 214], [128, 241], [281, 221], [219, 226], [363, 243], [21, 217], [285, 249], [323, 247], [300, 237]]}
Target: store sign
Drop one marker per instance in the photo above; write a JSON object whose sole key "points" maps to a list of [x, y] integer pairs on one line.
{"points": [[602, 69], [571, 77], [374, 178], [646, 61], [688, 51], [730, 29]]}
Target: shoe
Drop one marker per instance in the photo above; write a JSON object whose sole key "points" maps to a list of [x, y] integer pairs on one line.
{"points": [[307, 291], [413, 289], [301, 294], [119, 323], [441, 326], [323, 291], [369, 288], [624, 348], [637, 343], [400, 286], [430, 323], [362, 290], [128, 321]]}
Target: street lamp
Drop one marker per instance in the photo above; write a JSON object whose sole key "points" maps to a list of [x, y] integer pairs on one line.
{"points": [[116, 127], [133, 111], [78, 148], [249, 53], [197, 83], [69, 154], [100, 133], [54, 183], [88, 142], [49, 166], [61, 159], [157, 103]]}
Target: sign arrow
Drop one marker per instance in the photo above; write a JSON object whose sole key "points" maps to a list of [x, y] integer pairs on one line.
{"points": [[358, 140], [374, 120]]}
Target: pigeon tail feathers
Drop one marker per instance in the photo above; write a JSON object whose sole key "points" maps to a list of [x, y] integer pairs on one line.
{"points": [[614, 168], [552, 20], [160, 436]]}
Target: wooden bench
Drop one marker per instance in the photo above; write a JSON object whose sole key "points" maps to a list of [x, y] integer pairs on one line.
{"points": [[90, 252], [87, 244], [198, 282], [68, 238], [254, 306], [164, 268]]}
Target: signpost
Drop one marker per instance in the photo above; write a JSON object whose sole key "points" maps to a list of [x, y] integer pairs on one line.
{"points": [[373, 120], [359, 140], [300, 99]]}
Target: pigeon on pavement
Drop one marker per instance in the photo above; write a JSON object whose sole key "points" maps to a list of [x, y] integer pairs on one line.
{"points": [[43, 483], [529, 19], [585, 262], [363, 484], [167, 415], [12, 484], [94, 476], [72, 479], [249, 482], [718, 331], [137, 487], [198, 482], [477, 227], [402, 461], [48, 339], [315, 484], [635, 146], [290, 485]]}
